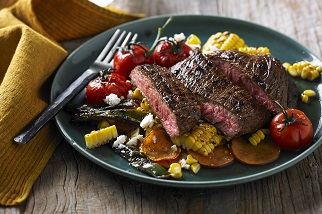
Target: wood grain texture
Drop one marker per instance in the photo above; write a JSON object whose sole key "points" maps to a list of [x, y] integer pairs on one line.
{"points": [[72, 184]]}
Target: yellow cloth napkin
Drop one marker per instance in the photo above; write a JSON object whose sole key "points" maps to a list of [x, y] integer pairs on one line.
{"points": [[29, 34]]}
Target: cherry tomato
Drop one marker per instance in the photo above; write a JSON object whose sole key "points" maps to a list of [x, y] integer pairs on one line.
{"points": [[168, 53], [126, 59], [102, 86], [291, 129]]}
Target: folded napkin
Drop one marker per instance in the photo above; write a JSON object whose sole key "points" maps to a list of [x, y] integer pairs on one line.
{"points": [[30, 32]]}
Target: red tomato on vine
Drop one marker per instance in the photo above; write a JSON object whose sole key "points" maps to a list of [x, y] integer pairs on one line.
{"points": [[291, 129], [106, 84], [127, 59], [168, 53]]}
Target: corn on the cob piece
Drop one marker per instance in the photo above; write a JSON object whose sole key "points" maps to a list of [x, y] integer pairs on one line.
{"points": [[99, 137], [254, 50], [303, 69], [306, 94], [257, 137], [223, 41], [175, 170], [193, 41], [202, 138]]}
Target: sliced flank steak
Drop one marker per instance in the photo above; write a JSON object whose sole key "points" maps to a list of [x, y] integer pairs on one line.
{"points": [[228, 106], [173, 103], [262, 75]]}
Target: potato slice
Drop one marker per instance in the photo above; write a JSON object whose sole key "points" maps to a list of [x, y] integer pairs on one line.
{"points": [[219, 157], [158, 146], [265, 152]]}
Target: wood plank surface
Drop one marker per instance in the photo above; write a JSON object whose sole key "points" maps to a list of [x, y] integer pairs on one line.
{"points": [[71, 183]]}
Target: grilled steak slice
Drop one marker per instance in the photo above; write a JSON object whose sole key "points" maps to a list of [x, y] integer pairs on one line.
{"points": [[174, 104], [262, 75], [231, 108]]}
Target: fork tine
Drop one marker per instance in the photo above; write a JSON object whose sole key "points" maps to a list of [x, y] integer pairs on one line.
{"points": [[109, 45], [110, 55]]}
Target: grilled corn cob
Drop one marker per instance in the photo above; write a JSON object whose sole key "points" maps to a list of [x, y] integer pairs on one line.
{"points": [[258, 136], [254, 50], [202, 139], [303, 69], [306, 94], [99, 137], [223, 41]]}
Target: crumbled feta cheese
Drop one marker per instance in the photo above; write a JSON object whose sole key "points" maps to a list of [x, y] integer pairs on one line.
{"points": [[112, 100], [130, 94], [174, 147], [147, 165], [184, 164], [133, 141], [179, 37], [120, 140], [147, 121]]}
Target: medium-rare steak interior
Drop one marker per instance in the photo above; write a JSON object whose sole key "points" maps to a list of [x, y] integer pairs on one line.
{"points": [[262, 75], [173, 103], [228, 106]]}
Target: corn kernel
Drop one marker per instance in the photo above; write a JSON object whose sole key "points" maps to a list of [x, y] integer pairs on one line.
{"points": [[252, 141], [309, 93], [103, 124], [286, 65], [193, 39], [137, 94], [304, 98], [260, 134], [191, 160], [195, 167], [175, 170]]}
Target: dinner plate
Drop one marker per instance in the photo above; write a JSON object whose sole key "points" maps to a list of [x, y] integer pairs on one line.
{"points": [[281, 46]]}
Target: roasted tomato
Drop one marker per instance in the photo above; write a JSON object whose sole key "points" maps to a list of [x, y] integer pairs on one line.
{"points": [[126, 59], [168, 53], [291, 129], [106, 84]]}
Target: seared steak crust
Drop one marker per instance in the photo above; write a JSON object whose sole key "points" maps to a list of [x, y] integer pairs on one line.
{"points": [[262, 75], [174, 104], [231, 108]]}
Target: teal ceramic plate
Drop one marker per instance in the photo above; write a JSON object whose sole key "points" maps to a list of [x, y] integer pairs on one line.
{"points": [[280, 46]]}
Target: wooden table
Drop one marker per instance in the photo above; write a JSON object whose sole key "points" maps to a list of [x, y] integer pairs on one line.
{"points": [[71, 183]]}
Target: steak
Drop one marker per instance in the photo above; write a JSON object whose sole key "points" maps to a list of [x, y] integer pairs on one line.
{"points": [[226, 105], [262, 75], [173, 103]]}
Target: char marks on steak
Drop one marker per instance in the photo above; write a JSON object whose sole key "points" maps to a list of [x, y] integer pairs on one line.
{"points": [[231, 108], [262, 75], [174, 104]]}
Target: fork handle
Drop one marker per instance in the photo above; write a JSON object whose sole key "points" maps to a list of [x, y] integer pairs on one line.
{"points": [[32, 128]]}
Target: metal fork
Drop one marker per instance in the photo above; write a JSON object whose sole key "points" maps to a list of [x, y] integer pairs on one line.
{"points": [[103, 61]]}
